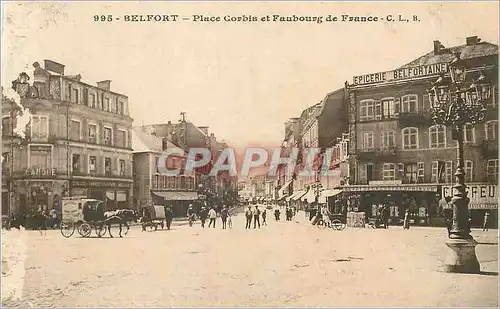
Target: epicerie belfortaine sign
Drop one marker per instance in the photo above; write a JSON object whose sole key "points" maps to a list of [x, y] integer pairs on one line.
{"points": [[482, 196], [400, 74]]}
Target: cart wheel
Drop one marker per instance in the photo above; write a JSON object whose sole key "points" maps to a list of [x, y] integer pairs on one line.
{"points": [[84, 230], [337, 224], [100, 230], [67, 229]]}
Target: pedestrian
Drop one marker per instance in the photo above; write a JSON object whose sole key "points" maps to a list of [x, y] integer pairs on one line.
{"points": [[406, 221], [248, 217], [486, 221], [169, 215], [277, 214], [212, 214], [203, 216], [386, 213], [256, 217], [223, 215], [53, 218], [264, 215]]}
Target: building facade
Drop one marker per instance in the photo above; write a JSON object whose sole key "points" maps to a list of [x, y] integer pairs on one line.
{"points": [[153, 188], [399, 156], [77, 142]]}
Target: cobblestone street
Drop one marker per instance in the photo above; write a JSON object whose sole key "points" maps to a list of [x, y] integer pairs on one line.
{"points": [[282, 264]]}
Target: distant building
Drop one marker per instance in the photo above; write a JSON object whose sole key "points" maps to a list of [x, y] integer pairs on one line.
{"points": [[77, 142]]}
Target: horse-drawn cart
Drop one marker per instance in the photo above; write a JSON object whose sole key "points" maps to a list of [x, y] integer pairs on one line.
{"points": [[154, 216], [82, 215]]}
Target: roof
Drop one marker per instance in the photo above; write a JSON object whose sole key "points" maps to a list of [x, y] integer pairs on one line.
{"points": [[481, 49], [145, 142], [319, 111]]}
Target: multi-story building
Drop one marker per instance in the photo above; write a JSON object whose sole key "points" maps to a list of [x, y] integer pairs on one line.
{"points": [[399, 156], [77, 142], [150, 186]]}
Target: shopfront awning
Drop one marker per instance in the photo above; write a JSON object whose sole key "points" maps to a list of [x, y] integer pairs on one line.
{"points": [[177, 195], [297, 195], [400, 188], [330, 193], [310, 196], [281, 191]]}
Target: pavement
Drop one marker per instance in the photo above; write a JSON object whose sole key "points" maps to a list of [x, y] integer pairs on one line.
{"points": [[282, 264]]}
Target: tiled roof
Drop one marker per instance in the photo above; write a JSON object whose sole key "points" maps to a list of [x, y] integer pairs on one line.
{"points": [[145, 142], [481, 49]]}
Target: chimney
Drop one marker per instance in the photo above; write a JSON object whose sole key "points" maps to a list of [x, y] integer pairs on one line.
{"points": [[54, 67], [204, 130], [105, 84], [472, 40], [437, 47]]}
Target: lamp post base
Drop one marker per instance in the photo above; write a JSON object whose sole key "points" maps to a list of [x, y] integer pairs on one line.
{"points": [[461, 257]]}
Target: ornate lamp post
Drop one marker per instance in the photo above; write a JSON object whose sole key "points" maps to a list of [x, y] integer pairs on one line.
{"points": [[455, 105]]}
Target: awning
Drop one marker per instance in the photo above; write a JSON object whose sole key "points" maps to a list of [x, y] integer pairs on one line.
{"points": [[177, 195], [297, 195], [408, 187], [281, 191], [304, 197], [330, 193], [310, 196]]}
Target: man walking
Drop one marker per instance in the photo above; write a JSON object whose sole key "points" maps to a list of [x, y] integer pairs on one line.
{"points": [[203, 216], [248, 217], [264, 215], [169, 214], [223, 215], [212, 214], [256, 217]]}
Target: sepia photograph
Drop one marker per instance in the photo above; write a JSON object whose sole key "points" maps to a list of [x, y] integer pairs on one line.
{"points": [[249, 154]]}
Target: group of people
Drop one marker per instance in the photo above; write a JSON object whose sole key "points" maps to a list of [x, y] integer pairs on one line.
{"points": [[255, 214], [211, 214], [41, 219]]}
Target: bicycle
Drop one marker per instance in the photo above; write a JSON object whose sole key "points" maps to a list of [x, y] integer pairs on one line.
{"points": [[334, 224]]}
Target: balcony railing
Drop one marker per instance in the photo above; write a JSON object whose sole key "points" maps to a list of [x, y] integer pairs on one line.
{"points": [[419, 118]]}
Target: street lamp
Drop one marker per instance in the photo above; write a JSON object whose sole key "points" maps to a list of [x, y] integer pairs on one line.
{"points": [[456, 105]]}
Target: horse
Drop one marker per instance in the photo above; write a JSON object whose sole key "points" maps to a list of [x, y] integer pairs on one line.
{"points": [[120, 217]]}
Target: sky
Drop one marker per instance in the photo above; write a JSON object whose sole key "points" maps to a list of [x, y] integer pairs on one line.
{"points": [[243, 80]]}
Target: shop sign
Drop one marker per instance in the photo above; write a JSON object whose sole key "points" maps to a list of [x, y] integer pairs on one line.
{"points": [[401, 74], [99, 184], [385, 182], [40, 172], [482, 196]]}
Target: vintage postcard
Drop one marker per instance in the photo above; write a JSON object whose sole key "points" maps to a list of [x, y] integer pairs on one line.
{"points": [[249, 154]]}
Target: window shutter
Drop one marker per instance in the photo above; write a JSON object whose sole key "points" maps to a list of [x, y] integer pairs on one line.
{"points": [[425, 103], [397, 106]]}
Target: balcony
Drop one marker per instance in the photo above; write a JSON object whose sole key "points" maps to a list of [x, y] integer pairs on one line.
{"points": [[490, 149], [412, 119]]}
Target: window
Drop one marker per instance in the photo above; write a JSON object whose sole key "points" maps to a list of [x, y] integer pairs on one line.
{"points": [[368, 140], [108, 136], [420, 172], [6, 126], [92, 100], [107, 166], [378, 110], [487, 94], [366, 109], [411, 173], [388, 139], [171, 182], [113, 106], [121, 138], [5, 162], [401, 171], [448, 171], [389, 108], [39, 127], [92, 164], [469, 133], [106, 104], [492, 170], [75, 130], [469, 173], [92, 133], [409, 103], [40, 157], [491, 130], [437, 136], [74, 95], [122, 167], [75, 163], [434, 172], [389, 171], [410, 138], [121, 108]]}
